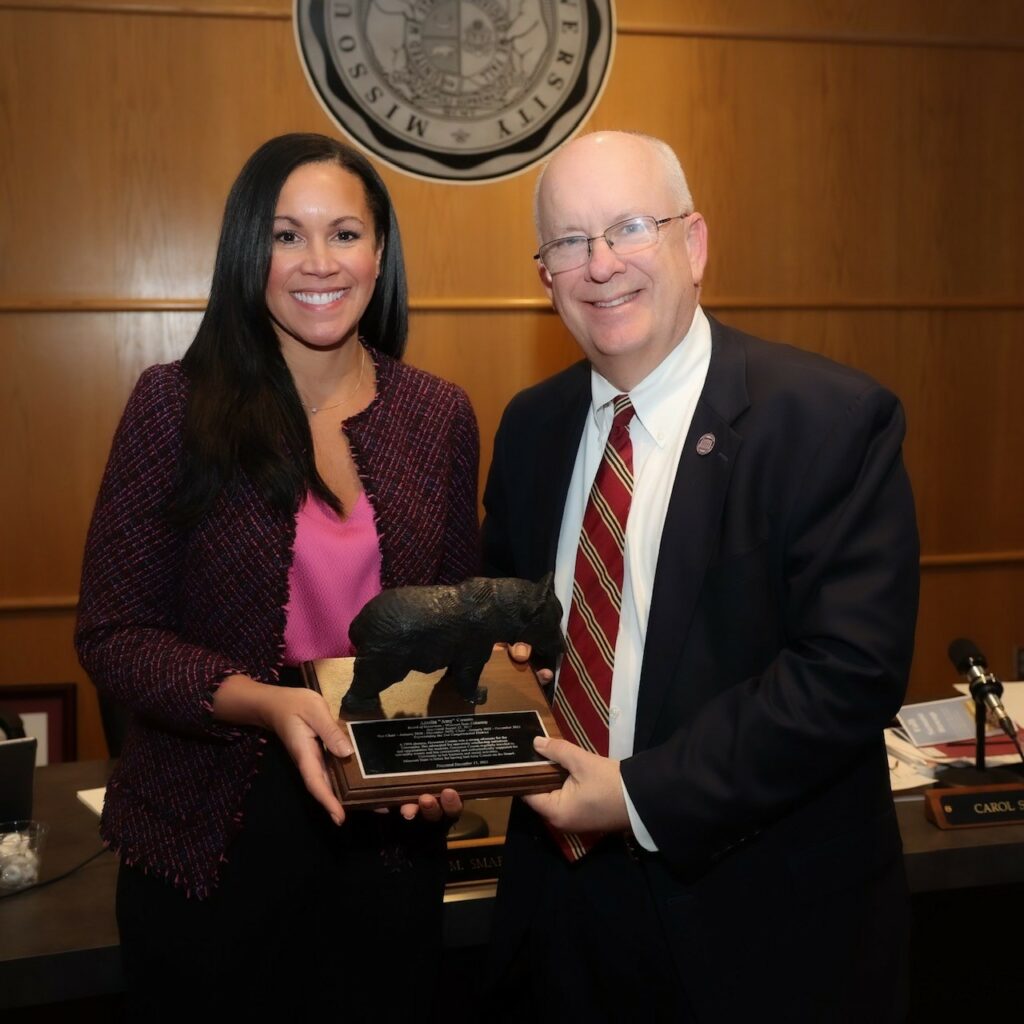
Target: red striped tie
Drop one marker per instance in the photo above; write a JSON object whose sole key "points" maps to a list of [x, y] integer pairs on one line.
{"points": [[585, 680]]}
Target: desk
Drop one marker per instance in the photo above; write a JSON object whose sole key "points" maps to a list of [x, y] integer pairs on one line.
{"points": [[942, 860], [60, 942]]}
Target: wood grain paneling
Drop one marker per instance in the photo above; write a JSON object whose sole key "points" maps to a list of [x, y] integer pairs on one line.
{"points": [[943, 366], [860, 163], [958, 376], [248, 10], [983, 604], [492, 356], [38, 649], [864, 191], [46, 516], [968, 500], [64, 379], [953, 23], [121, 192], [840, 174]]}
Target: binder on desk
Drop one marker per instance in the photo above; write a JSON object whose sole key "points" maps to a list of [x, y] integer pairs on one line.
{"points": [[17, 771]]}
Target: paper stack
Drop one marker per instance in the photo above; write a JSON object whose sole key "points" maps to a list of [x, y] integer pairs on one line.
{"points": [[942, 732]]}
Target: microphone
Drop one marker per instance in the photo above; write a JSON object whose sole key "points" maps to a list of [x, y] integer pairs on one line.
{"points": [[985, 688]]}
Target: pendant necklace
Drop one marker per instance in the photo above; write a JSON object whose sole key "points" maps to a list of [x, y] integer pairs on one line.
{"points": [[314, 409]]}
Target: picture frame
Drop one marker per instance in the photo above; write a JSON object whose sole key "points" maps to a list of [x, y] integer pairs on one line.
{"points": [[49, 712]]}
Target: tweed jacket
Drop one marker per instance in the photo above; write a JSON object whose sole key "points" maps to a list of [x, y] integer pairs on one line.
{"points": [[166, 613]]}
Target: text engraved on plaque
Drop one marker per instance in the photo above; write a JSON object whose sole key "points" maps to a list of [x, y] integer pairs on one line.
{"points": [[410, 746]]}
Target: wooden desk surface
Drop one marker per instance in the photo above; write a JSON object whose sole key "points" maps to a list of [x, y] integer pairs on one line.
{"points": [[964, 858], [60, 942]]}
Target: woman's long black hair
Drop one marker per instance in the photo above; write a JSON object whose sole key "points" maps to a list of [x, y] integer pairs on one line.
{"points": [[244, 414]]}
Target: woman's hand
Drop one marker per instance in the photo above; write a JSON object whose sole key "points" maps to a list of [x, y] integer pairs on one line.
{"points": [[300, 719]]}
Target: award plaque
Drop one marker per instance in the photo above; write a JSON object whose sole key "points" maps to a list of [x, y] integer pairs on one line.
{"points": [[425, 737]]}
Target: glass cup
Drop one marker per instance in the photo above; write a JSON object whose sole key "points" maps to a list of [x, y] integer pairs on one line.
{"points": [[21, 844]]}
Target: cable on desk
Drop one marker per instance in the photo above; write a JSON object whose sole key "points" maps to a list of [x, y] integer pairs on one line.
{"points": [[56, 878]]}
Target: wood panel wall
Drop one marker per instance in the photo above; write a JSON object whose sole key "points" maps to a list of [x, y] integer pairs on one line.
{"points": [[859, 163]]}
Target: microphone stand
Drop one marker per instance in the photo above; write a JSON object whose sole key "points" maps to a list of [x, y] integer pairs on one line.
{"points": [[980, 689], [979, 775]]}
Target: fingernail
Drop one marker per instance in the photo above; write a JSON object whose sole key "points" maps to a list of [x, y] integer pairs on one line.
{"points": [[540, 742], [335, 819]]}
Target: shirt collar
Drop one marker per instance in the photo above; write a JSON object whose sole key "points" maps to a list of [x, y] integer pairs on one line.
{"points": [[656, 399]]}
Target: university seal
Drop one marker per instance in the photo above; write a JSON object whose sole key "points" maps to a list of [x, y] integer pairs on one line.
{"points": [[457, 90]]}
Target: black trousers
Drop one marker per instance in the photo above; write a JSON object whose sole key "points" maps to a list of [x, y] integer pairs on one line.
{"points": [[595, 951], [591, 941], [307, 916]]}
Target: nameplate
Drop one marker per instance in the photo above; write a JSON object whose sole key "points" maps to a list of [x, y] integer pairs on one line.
{"points": [[471, 861], [975, 806]]}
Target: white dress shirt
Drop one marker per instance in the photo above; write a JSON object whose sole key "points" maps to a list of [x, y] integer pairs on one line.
{"points": [[664, 402]]}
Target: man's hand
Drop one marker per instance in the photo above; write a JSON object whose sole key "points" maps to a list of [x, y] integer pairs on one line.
{"points": [[521, 652], [591, 798], [449, 806], [432, 809]]}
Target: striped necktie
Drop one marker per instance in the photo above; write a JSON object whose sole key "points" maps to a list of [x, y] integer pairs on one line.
{"points": [[585, 681]]}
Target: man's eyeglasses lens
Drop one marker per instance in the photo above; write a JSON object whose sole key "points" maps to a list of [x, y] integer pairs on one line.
{"points": [[628, 236]]}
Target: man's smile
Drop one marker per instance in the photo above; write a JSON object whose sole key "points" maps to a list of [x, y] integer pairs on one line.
{"points": [[612, 303]]}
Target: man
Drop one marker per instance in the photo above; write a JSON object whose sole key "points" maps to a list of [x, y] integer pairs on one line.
{"points": [[725, 844]]}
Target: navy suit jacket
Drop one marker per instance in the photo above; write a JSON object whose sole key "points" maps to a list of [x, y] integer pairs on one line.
{"points": [[778, 647]]}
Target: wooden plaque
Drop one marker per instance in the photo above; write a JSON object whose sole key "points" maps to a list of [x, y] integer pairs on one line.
{"points": [[425, 737]]}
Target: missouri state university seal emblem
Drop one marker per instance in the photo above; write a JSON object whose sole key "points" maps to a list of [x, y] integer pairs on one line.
{"points": [[457, 90]]}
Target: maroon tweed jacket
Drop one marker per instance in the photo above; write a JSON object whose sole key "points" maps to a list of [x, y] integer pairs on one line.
{"points": [[165, 614]]}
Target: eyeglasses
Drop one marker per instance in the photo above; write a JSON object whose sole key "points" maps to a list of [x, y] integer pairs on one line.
{"points": [[624, 238]]}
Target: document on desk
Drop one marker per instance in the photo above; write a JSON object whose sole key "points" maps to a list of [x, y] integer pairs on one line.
{"points": [[938, 721], [93, 798], [903, 776], [1013, 698], [914, 758], [910, 767]]}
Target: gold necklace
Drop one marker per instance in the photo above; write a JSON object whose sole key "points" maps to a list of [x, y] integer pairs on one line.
{"points": [[314, 409]]}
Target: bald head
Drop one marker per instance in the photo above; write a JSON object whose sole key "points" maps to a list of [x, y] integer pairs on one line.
{"points": [[666, 164]]}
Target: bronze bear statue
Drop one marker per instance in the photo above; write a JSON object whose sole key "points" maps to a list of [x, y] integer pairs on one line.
{"points": [[424, 629]]}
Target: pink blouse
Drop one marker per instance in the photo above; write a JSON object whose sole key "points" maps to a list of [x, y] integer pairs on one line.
{"points": [[334, 572]]}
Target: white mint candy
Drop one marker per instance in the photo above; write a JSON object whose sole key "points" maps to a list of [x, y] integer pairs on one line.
{"points": [[19, 863]]}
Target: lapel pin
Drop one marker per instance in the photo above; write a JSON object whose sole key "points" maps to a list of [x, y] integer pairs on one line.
{"points": [[705, 444]]}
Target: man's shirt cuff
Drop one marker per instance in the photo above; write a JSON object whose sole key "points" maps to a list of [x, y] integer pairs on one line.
{"points": [[640, 833]]}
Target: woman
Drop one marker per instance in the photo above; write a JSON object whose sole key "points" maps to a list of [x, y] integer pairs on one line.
{"points": [[257, 494]]}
